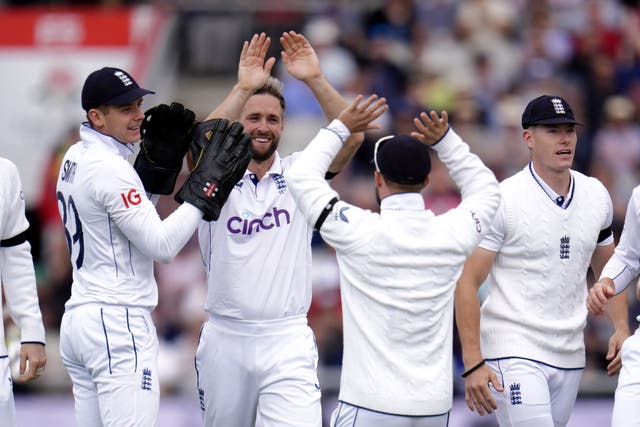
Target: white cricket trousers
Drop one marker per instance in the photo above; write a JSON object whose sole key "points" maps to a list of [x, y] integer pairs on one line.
{"points": [[535, 394], [626, 406], [347, 415], [267, 370], [111, 355], [7, 406]]}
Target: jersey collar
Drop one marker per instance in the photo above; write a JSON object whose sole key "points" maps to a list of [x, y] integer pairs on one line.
{"points": [[403, 201], [89, 134], [555, 197], [275, 169]]}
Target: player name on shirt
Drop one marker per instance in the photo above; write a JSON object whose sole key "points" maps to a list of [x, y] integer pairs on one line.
{"points": [[68, 171]]}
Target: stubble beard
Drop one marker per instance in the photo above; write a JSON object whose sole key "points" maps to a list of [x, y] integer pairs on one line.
{"points": [[266, 155]]}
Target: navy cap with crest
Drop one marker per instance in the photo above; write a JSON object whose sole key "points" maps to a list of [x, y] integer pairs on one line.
{"points": [[548, 110], [402, 159], [110, 86]]}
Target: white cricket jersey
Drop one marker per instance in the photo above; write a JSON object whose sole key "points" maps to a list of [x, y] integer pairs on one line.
{"points": [[535, 307], [624, 266], [398, 271], [16, 265], [112, 228], [258, 253]]}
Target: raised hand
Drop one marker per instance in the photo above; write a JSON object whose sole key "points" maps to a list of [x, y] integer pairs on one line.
{"points": [[299, 57], [358, 116], [253, 69], [430, 128]]}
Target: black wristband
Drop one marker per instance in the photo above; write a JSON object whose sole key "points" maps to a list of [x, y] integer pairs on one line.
{"points": [[471, 370]]}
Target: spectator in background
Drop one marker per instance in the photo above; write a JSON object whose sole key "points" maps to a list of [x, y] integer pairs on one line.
{"points": [[616, 148], [18, 283], [55, 285]]}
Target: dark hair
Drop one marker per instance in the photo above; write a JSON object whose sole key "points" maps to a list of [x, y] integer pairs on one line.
{"points": [[273, 87]]}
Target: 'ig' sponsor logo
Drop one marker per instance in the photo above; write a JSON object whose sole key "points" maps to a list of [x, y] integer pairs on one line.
{"points": [[245, 225]]}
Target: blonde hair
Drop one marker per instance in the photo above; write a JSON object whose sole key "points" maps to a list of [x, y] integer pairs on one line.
{"points": [[273, 87]]}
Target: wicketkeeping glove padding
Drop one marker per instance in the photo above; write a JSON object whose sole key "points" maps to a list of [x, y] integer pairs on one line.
{"points": [[218, 169], [213, 130], [166, 135]]}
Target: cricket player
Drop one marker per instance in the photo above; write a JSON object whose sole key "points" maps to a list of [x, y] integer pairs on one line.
{"points": [[398, 268], [257, 357], [18, 283], [523, 350], [620, 271], [108, 342]]}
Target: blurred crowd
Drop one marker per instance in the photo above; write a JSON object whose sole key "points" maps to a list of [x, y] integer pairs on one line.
{"points": [[481, 61]]}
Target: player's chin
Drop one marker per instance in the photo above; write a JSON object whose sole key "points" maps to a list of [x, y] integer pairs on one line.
{"points": [[262, 151], [133, 136], [565, 161]]}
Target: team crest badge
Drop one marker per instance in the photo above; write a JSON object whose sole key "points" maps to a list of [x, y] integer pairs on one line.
{"points": [[564, 247]]}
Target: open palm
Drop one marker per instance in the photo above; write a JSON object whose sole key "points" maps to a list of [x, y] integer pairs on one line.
{"points": [[253, 70], [299, 57]]}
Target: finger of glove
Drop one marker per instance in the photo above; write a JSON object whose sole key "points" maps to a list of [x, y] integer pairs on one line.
{"points": [[242, 148], [234, 137], [144, 127], [181, 116], [180, 121], [235, 169], [213, 125], [200, 132], [237, 161], [188, 119], [158, 114], [176, 109], [155, 119], [175, 116]]}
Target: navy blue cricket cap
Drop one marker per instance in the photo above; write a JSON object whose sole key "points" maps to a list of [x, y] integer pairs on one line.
{"points": [[547, 110], [110, 86], [402, 159]]}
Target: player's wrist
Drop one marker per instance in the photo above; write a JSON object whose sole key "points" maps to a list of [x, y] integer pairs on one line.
{"points": [[315, 80], [244, 89], [473, 368]]}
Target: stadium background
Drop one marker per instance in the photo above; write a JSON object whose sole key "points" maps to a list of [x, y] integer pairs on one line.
{"points": [[481, 60]]}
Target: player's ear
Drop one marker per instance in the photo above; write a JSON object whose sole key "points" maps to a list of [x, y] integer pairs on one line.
{"points": [[527, 137], [379, 180], [96, 117]]}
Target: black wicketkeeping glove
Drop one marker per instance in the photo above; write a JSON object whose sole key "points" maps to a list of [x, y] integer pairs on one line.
{"points": [[213, 130], [166, 135], [218, 168]]}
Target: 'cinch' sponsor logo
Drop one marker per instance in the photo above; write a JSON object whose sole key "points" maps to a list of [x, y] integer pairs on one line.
{"points": [[246, 226]]}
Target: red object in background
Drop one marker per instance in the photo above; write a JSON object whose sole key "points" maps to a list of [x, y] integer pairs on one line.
{"points": [[28, 27], [75, 28]]}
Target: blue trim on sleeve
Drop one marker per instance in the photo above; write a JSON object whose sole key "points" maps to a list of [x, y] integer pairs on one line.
{"points": [[336, 134]]}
